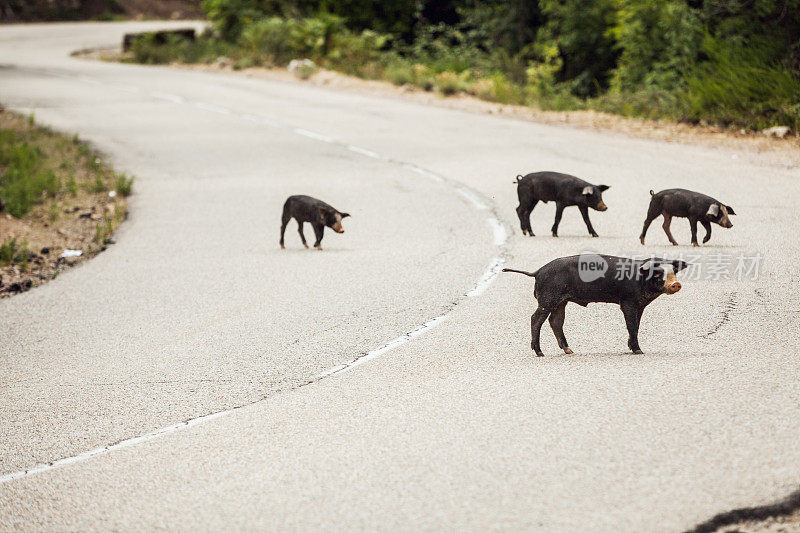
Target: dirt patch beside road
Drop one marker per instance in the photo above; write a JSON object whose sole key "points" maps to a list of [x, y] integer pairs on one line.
{"points": [[59, 203]]}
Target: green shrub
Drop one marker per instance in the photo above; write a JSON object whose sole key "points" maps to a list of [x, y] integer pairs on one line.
{"points": [[358, 54], [229, 17], [399, 73], [483, 88], [12, 251], [739, 86], [124, 185], [659, 41], [269, 41], [447, 82]]}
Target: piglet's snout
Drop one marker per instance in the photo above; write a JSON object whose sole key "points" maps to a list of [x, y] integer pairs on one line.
{"points": [[671, 284], [602, 206], [338, 227]]}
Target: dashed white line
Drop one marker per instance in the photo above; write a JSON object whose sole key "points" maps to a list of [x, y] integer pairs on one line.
{"points": [[90, 81], [421, 171], [364, 151], [260, 120], [213, 108], [175, 99], [125, 88], [314, 135]]}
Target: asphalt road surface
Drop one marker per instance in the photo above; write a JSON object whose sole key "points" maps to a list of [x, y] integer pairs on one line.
{"points": [[386, 382]]}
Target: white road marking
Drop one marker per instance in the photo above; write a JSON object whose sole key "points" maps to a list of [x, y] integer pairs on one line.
{"points": [[213, 108], [175, 99], [111, 447], [125, 88], [90, 81], [488, 277], [314, 135], [364, 151], [498, 231], [260, 120], [421, 171], [472, 198]]}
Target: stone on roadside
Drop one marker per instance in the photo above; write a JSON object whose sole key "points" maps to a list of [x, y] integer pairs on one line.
{"points": [[776, 131], [302, 68]]}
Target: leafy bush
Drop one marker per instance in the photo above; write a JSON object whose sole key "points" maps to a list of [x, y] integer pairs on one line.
{"points": [[358, 54], [659, 42], [229, 17], [124, 185], [740, 86], [269, 41], [399, 73], [12, 251], [447, 82], [581, 31]]}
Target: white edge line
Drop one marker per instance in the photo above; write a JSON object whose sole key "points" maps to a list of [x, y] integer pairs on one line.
{"points": [[498, 231], [339, 369], [472, 198], [488, 277]]}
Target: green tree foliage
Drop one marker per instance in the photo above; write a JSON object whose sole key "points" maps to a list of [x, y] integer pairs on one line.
{"points": [[582, 33], [658, 43]]}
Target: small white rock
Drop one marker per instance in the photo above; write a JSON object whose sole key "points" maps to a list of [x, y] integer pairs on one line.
{"points": [[71, 253], [776, 131]]}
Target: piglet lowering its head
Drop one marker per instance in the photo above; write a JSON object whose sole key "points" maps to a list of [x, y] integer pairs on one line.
{"points": [[695, 206], [583, 279], [319, 214]]}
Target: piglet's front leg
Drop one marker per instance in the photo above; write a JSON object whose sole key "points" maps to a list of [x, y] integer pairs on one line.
{"points": [[632, 317], [585, 214], [319, 230]]}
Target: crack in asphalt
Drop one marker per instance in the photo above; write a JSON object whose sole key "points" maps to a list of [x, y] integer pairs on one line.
{"points": [[730, 305]]}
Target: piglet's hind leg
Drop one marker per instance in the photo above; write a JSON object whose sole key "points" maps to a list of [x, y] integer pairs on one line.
{"points": [[557, 323], [537, 319]]}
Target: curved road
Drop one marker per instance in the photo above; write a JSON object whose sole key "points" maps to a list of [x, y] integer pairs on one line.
{"points": [[385, 383]]}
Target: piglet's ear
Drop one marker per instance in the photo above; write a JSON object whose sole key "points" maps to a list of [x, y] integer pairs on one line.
{"points": [[603, 187], [730, 210], [713, 210], [345, 215], [679, 265], [587, 190], [646, 267]]}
